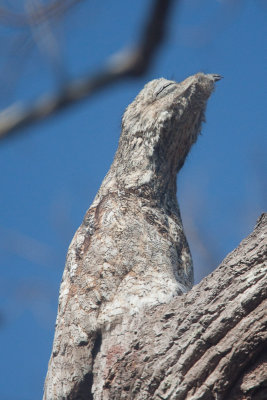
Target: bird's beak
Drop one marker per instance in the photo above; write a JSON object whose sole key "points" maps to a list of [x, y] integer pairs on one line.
{"points": [[216, 77]]}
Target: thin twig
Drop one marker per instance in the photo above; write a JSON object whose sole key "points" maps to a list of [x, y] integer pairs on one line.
{"points": [[46, 40], [19, 49], [44, 12]]}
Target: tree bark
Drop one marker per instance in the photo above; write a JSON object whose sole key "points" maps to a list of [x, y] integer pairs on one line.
{"points": [[209, 343]]}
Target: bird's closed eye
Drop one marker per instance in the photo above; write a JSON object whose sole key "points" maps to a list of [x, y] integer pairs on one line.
{"points": [[163, 91]]}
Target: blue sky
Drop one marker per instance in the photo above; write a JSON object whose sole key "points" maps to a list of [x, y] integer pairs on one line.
{"points": [[51, 172]]}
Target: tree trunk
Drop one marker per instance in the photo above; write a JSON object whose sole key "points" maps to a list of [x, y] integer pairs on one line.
{"points": [[207, 344]]}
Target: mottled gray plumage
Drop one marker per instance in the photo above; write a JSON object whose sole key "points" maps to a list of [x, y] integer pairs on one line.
{"points": [[130, 251]]}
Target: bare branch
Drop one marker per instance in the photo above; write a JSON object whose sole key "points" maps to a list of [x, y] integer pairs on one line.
{"points": [[125, 64]]}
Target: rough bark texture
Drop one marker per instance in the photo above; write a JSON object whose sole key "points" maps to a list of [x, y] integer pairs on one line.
{"points": [[207, 344], [113, 338]]}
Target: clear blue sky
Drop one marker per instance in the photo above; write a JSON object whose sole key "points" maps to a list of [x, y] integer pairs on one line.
{"points": [[51, 172]]}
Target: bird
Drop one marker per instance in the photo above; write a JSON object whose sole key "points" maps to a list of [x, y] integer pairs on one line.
{"points": [[130, 251]]}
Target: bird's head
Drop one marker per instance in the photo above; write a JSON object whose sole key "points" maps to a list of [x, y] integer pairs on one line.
{"points": [[161, 124]]}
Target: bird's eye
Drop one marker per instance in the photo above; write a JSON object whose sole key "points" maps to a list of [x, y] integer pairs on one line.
{"points": [[163, 91]]}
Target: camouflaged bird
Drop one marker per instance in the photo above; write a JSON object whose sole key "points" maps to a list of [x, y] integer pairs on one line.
{"points": [[130, 251]]}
